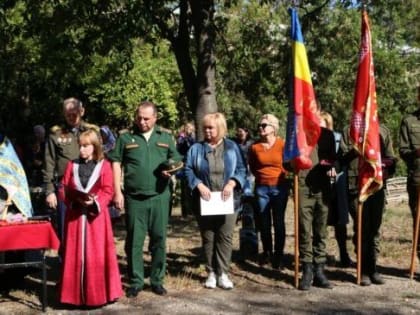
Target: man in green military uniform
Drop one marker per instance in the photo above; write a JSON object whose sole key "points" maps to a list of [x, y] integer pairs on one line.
{"points": [[410, 153], [373, 207], [61, 147], [314, 197], [143, 154]]}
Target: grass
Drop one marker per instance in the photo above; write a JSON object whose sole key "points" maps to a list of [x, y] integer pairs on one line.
{"points": [[185, 262], [396, 241]]}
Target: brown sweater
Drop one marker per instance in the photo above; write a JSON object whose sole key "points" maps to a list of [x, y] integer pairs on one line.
{"points": [[267, 164]]}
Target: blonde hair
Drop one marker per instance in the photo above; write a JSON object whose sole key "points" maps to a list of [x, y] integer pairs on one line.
{"points": [[186, 126], [328, 120], [273, 121], [220, 121], [92, 137]]}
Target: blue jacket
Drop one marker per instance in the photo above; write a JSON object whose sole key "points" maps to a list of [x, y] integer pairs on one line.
{"points": [[197, 165]]}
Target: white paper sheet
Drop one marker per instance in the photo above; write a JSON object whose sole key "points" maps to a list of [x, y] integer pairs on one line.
{"points": [[216, 206]]}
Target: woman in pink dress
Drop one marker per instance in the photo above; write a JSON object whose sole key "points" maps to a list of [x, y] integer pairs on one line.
{"points": [[90, 274]]}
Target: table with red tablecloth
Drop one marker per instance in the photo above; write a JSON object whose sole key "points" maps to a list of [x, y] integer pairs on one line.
{"points": [[29, 236]]}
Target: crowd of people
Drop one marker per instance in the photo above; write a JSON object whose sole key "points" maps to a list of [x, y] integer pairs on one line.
{"points": [[89, 174]]}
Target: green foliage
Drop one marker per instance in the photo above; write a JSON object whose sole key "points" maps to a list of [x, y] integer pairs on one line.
{"points": [[113, 54], [89, 49], [333, 44], [252, 71], [153, 76]]}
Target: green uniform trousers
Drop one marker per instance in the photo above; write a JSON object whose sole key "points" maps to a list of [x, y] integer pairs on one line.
{"points": [[412, 200], [373, 210], [146, 215], [313, 214]]}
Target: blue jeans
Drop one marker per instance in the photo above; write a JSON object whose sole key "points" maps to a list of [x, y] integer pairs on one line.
{"points": [[272, 202]]}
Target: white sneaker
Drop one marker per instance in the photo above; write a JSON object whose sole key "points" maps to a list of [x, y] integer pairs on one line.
{"points": [[224, 282], [211, 281]]}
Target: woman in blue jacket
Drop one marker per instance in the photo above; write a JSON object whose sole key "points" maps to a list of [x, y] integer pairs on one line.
{"points": [[216, 165]]}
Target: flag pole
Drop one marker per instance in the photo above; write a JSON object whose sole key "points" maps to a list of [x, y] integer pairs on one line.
{"points": [[303, 125], [415, 237], [296, 211], [364, 131], [359, 241]]}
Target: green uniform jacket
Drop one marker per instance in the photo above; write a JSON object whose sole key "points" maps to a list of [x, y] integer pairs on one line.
{"points": [[143, 161], [409, 144], [349, 156], [316, 178], [62, 146]]}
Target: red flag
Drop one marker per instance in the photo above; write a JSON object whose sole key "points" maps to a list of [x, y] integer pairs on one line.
{"points": [[364, 126]]}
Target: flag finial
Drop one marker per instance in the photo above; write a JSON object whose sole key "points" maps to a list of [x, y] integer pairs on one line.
{"points": [[364, 5]]}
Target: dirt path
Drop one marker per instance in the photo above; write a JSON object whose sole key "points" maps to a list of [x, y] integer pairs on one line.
{"points": [[345, 298], [397, 296]]}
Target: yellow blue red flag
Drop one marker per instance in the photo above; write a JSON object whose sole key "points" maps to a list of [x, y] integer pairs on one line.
{"points": [[303, 122]]}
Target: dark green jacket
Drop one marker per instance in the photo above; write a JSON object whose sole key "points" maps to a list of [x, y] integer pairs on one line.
{"points": [[142, 161], [61, 146], [409, 144], [350, 158], [323, 158]]}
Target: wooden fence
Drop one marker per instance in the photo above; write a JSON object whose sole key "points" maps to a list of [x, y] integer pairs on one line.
{"points": [[396, 190]]}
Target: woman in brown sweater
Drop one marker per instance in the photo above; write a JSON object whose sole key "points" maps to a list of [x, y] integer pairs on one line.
{"points": [[271, 189]]}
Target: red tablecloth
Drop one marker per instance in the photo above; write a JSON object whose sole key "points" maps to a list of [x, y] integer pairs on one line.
{"points": [[32, 235]]}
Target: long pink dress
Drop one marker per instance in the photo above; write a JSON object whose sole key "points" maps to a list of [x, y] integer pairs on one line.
{"points": [[90, 273]]}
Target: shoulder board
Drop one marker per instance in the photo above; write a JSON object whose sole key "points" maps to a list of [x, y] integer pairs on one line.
{"points": [[91, 126], [409, 117], [123, 131], [384, 129], [164, 130], [55, 129]]}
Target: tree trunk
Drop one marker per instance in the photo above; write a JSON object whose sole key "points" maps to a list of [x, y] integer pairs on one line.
{"points": [[203, 19], [181, 47], [199, 83]]}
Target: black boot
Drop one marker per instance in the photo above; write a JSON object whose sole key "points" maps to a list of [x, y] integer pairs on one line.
{"points": [[277, 261], [367, 270], [307, 276], [365, 281], [345, 261], [265, 258], [374, 275], [376, 278], [341, 237], [320, 279]]}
